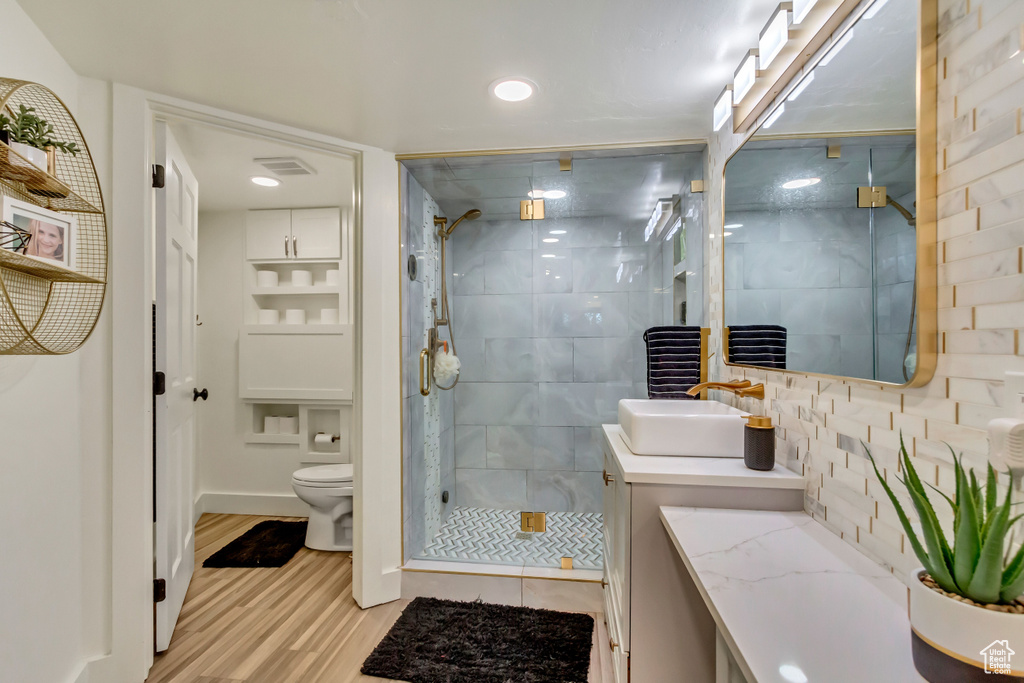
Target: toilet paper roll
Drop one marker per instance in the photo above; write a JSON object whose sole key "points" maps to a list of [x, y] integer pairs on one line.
{"points": [[289, 425], [269, 316], [323, 440], [272, 424], [295, 316], [266, 278], [302, 278], [333, 276], [328, 316]]}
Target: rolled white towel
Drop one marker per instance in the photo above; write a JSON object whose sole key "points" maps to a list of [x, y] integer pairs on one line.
{"points": [[446, 366]]}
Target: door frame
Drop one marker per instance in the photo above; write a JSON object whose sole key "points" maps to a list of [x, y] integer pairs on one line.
{"points": [[377, 417]]}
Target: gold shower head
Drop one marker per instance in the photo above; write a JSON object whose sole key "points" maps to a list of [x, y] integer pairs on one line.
{"points": [[470, 215]]}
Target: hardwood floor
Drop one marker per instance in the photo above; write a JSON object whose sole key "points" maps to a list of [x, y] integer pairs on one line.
{"points": [[296, 624]]}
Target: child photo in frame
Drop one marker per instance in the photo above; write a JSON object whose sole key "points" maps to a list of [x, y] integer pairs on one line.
{"points": [[50, 235]]}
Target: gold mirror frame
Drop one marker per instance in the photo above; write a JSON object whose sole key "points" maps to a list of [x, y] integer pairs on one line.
{"points": [[927, 170]]}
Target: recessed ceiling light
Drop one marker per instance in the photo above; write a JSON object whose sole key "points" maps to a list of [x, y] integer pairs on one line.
{"points": [[556, 232], [264, 181], [554, 194], [800, 182], [512, 89], [550, 240]]}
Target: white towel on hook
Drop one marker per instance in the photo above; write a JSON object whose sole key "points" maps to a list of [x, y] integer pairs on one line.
{"points": [[446, 366]]}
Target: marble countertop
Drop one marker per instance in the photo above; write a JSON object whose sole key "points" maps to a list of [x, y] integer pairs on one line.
{"points": [[661, 469], [792, 600]]}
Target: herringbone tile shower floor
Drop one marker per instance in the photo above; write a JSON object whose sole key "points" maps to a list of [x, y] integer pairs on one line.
{"points": [[486, 535]]}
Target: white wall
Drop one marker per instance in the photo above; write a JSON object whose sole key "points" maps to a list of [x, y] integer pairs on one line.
{"points": [[54, 453], [232, 475]]}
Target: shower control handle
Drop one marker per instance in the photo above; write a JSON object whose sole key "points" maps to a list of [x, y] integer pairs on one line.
{"points": [[425, 372]]}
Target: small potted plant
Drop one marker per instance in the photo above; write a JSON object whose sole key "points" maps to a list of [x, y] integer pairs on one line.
{"points": [[32, 138], [966, 615]]}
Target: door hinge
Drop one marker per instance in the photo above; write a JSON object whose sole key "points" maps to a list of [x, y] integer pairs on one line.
{"points": [[869, 197], [159, 590], [533, 521], [158, 176], [531, 210], [159, 383]]}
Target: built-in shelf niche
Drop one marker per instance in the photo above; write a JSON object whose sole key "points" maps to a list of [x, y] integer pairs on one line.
{"points": [[311, 419]]}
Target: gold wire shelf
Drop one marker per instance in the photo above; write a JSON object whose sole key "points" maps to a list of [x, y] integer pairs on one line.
{"points": [[46, 308]]}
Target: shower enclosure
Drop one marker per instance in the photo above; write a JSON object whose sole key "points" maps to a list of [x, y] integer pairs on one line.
{"points": [[547, 318]]}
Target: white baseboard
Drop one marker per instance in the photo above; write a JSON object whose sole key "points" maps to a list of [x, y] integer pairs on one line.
{"points": [[275, 505]]}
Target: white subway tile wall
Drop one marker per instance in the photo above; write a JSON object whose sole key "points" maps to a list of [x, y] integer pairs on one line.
{"points": [[823, 422]]}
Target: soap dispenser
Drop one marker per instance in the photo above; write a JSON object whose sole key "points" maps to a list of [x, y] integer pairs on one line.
{"points": [[759, 443]]}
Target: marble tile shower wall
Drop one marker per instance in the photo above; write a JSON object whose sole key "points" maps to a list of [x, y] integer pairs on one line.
{"points": [[809, 271], [428, 434], [550, 338], [980, 301]]}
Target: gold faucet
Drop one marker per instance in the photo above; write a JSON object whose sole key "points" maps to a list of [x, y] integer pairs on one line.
{"points": [[740, 387]]}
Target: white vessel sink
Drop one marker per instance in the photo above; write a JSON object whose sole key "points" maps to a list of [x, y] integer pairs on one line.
{"points": [[692, 428]]}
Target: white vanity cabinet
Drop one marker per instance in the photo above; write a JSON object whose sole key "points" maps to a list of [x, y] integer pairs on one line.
{"points": [[659, 629], [293, 234]]}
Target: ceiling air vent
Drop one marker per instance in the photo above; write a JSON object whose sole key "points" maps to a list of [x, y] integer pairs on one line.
{"points": [[283, 166]]}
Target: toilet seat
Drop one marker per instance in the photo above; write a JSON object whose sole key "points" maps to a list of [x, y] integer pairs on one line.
{"points": [[324, 476]]}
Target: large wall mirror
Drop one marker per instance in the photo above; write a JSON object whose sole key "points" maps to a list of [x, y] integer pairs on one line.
{"points": [[822, 235]]}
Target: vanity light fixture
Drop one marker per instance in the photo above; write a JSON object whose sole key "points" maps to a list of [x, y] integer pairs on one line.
{"points": [[798, 90], [675, 228], [743, 79], [659, 217], [512, 89], [836, 48], [775, 115], [801, 9], [723, 108], [873, 10], [800, 182], [264, 181], [773, 36]]}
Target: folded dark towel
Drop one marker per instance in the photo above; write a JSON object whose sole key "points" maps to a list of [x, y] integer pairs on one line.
{"points": [[673, 361], [760, 345]]}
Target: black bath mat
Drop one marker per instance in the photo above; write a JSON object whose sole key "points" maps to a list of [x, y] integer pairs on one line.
{"points": [[442, 641], [268, 544]]}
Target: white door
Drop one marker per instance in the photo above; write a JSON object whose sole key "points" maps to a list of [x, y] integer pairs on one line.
{"points": [[268, 235], [177, 216], [316, 233]]}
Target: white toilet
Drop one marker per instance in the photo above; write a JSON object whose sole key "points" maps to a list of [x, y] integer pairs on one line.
{"points": [[328, 491]]}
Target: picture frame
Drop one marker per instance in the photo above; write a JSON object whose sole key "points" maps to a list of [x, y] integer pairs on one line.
{"points": [[52, 236]]}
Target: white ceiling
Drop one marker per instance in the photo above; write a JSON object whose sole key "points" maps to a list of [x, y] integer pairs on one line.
{"points": [[413, 76], [223, 165]]}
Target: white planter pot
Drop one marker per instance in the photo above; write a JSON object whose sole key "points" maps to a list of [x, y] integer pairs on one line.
{"points": [[955, 642], [36, 156]]}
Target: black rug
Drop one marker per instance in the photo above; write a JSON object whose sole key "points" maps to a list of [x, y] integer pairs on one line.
{"points": [[268, 544], [442, 641]]}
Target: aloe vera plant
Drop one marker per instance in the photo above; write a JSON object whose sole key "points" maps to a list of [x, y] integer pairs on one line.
{"points": [[980, 564]]}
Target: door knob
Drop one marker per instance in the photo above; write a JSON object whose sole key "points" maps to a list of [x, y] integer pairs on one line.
{"points": [[196, 394]]}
